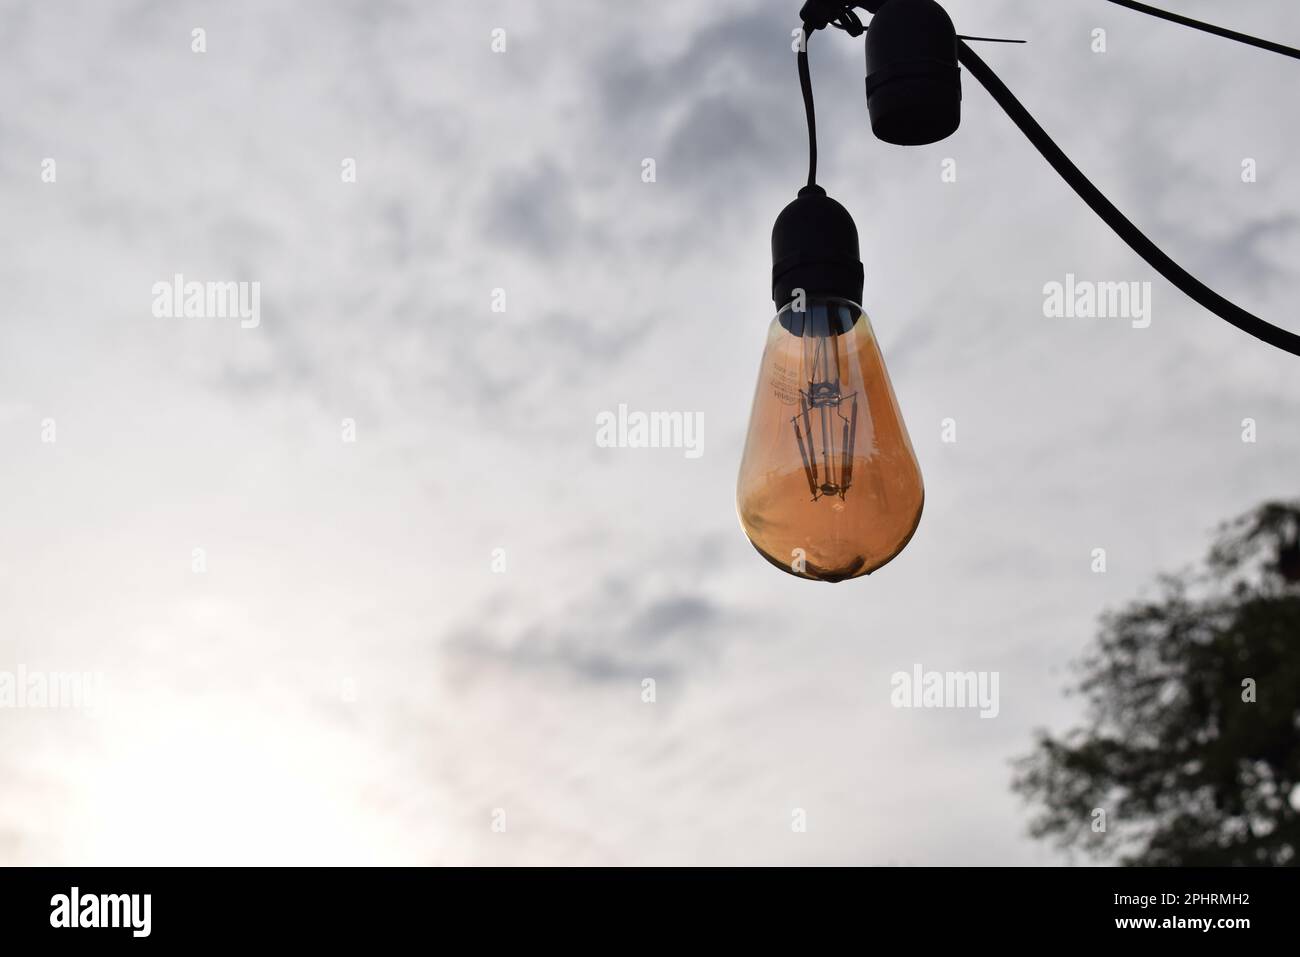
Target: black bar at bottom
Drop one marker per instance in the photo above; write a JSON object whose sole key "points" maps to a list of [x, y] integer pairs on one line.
{"points": [[662, 908]]}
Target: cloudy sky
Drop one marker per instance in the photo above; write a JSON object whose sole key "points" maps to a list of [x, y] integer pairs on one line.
{"points": [[350, 680]]}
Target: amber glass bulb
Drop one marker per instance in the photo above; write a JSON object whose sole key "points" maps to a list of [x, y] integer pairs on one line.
{"points": [[829, 486]]}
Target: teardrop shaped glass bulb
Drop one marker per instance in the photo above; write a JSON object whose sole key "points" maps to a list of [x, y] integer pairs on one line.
{"points": [[829, 486]]}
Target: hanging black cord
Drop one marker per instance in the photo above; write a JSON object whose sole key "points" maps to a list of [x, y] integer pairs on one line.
{"points": [[805, 83], [1210, 28], [1103, 207]]}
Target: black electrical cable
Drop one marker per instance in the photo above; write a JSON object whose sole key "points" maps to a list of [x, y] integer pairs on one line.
{"points": [[805, 83], [1209, 28], [1103, 207]]}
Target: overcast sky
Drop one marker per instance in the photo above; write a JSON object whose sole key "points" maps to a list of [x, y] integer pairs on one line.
{"points": [[350, 680]]}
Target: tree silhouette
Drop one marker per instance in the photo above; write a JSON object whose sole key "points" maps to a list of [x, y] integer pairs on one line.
{"points": [[1191, 750]]}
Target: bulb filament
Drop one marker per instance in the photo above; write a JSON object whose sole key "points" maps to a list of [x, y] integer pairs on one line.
{"points": [[823, 401]]}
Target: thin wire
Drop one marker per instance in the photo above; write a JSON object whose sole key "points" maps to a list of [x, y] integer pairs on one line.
{"points": [[1123, 227], [1210, 28], [805, 83]]}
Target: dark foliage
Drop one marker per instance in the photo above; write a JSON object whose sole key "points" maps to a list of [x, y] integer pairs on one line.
{"points": [[1192, 740]]}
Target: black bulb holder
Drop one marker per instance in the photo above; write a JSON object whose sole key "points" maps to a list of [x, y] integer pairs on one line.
{"points": [[815, 249], [913, 81]]}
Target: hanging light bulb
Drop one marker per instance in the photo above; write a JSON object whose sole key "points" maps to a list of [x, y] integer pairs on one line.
{"points": [[829, 487]]}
